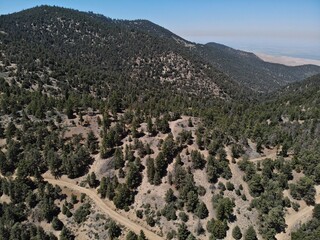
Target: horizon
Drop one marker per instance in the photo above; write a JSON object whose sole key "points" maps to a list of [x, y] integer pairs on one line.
{"points": [[286, 28]]}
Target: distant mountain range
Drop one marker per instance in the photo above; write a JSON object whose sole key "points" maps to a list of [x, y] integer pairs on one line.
{"points": [[88, 51], [173, 132], [251, 71]]}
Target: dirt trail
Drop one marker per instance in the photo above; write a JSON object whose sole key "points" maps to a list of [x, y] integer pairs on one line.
{"points": [[272, 155], [298, 218], [105, 208]]}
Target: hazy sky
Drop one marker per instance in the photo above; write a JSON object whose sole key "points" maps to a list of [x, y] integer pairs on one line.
{"points": [[290, 27]]}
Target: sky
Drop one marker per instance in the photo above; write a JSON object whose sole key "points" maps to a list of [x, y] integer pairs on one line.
{"points": [[276, 27]]}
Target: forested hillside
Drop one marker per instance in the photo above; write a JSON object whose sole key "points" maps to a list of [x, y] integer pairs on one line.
{"points": [[114, 129], [86, 51], [249, 70]]}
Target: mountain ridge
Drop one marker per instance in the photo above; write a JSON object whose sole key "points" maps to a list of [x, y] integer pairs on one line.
{"points": [[223, 70], [147, 122], [251, 71], [113, 46]]}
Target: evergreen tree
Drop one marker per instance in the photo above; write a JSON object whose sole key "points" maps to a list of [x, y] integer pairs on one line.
{"points": [[10, 130], [118, 159], [197, 160], [192, 201], [103, 187], [123, 196], [250, 234], [202, 210], [170, 197], [133, 178], [66, 234], [236, 233], [114, 230], [150, 170], [183, 232], [131, 236], [92, 180], [54, 163], [92, 144], [142, 236], [2, 131], [57, 224], [316, 211], [150, 126], [157, 178], [160, 164]]}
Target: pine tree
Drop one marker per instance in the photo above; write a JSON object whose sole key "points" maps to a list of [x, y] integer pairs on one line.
{"points": [[198, 161], [150, 126], [170, 197], [2, 132], [160, 164], [103, 187], [316, 211], [202, 210], [157, 178], [114, 230], [183, 232], [10, 130], [250, 234], [133, 178], [150, 170], [92, 180], [92, 144], [66, 234], [142, 236], [192, 201], [57, 224], [118, 159], [131, 236], [236, 233]]}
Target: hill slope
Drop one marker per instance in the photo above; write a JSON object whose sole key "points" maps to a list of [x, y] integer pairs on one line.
{"points": [[251, 71], [136, 114], [110, 53]]}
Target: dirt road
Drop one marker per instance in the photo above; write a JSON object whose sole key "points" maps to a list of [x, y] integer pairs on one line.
{"points": [[272, 156], [105, 208], [296, 219]]}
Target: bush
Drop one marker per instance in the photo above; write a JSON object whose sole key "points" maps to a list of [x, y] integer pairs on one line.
{"points": [[139, 214], [229, 186], [150, 221]]}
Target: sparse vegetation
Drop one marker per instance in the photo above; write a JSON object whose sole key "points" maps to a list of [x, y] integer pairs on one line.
{"points": [[150, 125]]}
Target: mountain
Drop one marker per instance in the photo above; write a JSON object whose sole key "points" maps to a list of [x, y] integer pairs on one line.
{"points": [[114, 129], [251, 71], [107, 54], [122, 54], [304, 96]]}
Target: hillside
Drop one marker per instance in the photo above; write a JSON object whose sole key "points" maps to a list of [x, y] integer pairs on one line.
{"points": [[106, 52], [115, 129], [249, 70], [298, 101]]}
